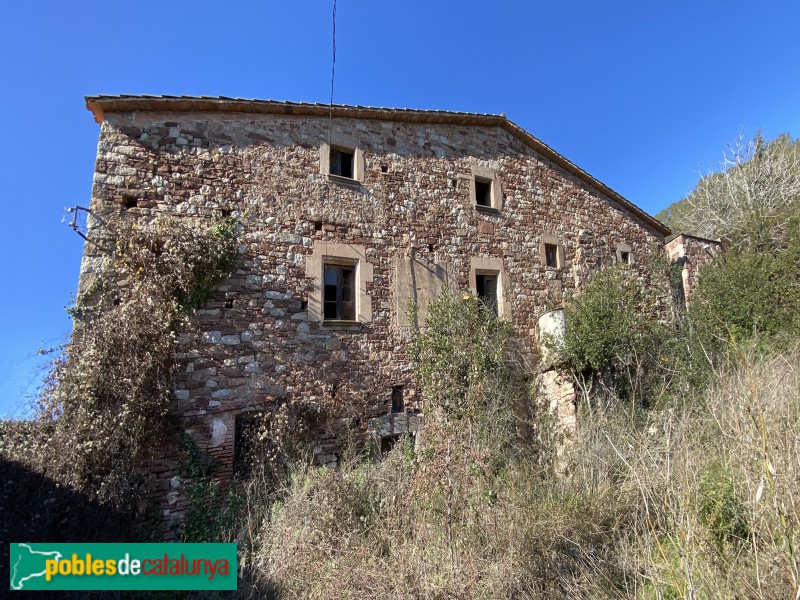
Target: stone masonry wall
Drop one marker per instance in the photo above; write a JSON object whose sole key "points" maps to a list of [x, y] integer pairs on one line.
{"points": [[693, 253], [255, 344]]}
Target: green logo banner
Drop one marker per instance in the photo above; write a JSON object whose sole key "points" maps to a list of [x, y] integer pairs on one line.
{"points": [[123, 566]]}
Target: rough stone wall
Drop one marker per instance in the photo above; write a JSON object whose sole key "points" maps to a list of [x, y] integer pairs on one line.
{"points": [[692, 253], [255, 345]]}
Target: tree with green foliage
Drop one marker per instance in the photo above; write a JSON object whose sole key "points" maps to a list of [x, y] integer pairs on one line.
{"points": [[746, 294], [464, 356], [751, 201], [604, 323], [615, 341]]}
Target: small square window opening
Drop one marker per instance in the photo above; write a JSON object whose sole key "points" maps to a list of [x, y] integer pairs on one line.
{"points": [[483, 192], [342, 162], [625, 257], [339, 296], [486, 287]]}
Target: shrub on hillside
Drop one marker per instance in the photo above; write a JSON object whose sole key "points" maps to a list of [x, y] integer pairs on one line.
{"points": [[751, 201], [746, 294], [621, 342], [691, 500]]}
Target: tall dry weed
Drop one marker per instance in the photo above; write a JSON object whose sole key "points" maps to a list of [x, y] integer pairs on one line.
{"points": [[694, 501]]}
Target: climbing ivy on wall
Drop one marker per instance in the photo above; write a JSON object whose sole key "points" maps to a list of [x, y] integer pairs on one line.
{"points": [[108, 394]]}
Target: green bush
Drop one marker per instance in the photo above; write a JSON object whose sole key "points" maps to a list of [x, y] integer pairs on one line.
{"points": [[720, 509], [605, 323], [470, 374], [617, 343], [464, 357], [747, 294]]}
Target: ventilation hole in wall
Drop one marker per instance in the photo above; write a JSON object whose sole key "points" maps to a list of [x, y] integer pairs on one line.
{"points": [[453, 183], [227, 212], [355, 422], [389, 442], [317, 225], [304, 305], [384, 168], [333, 391], [129, 202], [229, 303], [430, 247]]}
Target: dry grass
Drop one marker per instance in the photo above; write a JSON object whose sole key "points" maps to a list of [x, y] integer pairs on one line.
{"points": [[696, 501]]}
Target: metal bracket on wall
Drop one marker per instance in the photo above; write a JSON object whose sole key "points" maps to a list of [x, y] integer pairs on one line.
{"points": [[80, 228]]}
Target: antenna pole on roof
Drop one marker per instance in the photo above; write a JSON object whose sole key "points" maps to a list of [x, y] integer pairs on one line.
{"points": [[333, 75]]}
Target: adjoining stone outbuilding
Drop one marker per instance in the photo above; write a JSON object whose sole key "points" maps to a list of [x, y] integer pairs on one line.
{"points": [[692, 253], [351, 213]]}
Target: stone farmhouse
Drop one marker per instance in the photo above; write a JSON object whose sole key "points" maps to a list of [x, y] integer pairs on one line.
{"points": [[352, 213]]}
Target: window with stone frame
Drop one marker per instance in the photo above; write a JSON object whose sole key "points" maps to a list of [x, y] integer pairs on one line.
{"points": [[340, 275], [624, 254], [551, 252], [489, 281], [485, 191], [339, 296], [486, 288], [342, 159]]}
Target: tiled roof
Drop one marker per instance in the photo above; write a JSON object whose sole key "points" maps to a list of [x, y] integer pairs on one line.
{"points": [[226, 103], [99, 105]]}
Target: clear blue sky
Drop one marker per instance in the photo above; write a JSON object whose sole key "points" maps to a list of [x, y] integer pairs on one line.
{"points": [[642, 95]]}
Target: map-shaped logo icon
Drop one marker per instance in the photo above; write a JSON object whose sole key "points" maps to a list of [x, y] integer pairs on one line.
{"points": [[27, 564]]}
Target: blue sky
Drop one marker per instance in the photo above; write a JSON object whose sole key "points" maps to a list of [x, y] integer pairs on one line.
{"points": [[642, 95]]}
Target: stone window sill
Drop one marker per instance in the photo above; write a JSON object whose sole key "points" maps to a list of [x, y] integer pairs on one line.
{"points": [[341, 325], [344, 180], [488, 210]]}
